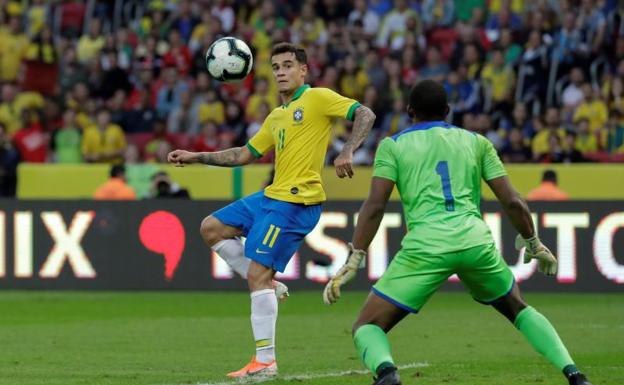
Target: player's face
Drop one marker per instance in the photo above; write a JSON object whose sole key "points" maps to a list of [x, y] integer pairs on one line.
{"points": [[289, 73]]}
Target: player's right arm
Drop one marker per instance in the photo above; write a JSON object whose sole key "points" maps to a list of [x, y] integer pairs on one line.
{"points": [[259, 144], [516, 209], [232, 157]]}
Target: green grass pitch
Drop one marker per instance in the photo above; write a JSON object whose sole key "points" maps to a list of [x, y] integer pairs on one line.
{"points": [[179, 338]]}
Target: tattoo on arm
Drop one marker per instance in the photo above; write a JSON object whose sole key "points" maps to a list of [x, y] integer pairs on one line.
{"points": [[227, 158], [362, 124]]}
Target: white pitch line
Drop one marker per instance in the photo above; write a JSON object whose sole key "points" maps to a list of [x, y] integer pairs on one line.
{"points": [[313, 376]]}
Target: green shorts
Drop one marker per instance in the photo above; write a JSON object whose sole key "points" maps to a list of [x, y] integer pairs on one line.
{"points": [[412, 279]]}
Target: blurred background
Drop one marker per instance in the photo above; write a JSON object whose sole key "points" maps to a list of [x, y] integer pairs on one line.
{"points": [[95, 93]]}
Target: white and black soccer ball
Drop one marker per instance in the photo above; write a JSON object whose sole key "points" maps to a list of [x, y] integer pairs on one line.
{"points": [[229, 59]]}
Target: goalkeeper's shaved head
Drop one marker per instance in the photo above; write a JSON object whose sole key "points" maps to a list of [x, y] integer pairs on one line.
{"points": [[427, 101]]}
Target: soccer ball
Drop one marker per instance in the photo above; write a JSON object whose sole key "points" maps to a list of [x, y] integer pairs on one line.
{"points": [[229, 59]]}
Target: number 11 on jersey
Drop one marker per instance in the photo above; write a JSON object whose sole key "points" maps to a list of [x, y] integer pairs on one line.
{"points": [[443, 171]]}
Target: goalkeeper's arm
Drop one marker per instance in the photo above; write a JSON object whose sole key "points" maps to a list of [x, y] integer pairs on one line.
{"points": [[518, 212], [515, 207], [371, 214]]}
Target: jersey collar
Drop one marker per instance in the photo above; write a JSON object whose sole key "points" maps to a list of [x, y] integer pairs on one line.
{"points": [[297, 94], [421, 126]]}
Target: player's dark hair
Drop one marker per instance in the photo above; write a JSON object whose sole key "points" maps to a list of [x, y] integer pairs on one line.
{"points": [[117, 170], [300, 53], [427, 101], [159, 174], [549, 176]]}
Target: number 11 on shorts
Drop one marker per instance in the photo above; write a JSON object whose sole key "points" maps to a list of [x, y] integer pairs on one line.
{"points": [[443, 171], [270, 240]]}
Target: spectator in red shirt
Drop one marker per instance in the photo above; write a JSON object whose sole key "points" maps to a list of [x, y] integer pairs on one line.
{"points": [[208, 138], [30, 140], [179, 55], [144, 84]]}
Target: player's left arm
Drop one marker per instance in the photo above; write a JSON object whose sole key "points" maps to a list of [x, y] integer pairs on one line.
{"points": [[493, 172], [362, 124]]}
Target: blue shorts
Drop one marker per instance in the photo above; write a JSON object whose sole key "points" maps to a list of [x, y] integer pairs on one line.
{"points": [[274, 229]]}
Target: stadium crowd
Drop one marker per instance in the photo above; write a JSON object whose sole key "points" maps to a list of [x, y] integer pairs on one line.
{"points": [[125, 81]]}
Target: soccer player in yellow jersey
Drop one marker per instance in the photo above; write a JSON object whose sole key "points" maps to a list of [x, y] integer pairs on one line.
{"points": [[276, 220]]}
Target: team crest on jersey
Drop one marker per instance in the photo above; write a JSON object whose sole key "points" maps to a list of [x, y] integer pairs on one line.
{"points": [[298, 115]]}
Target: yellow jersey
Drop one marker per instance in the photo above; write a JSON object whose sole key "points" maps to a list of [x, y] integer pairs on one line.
{"points": [[541, 141], [12, 50], [11, 113], [299, 131], [595, 111], [214, 111], [501, 80], [96, 142]]}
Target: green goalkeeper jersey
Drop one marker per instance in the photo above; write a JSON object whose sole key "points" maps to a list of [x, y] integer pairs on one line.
{"points": [[438, 168]]}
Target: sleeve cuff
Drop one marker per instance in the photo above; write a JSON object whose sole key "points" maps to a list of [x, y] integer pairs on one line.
{"points": [[496, 175], [351, 112], [253, 150], [385, 176]]}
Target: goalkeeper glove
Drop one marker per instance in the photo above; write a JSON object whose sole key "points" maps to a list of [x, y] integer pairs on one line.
{"points": [[534, 249], [355, 260]]}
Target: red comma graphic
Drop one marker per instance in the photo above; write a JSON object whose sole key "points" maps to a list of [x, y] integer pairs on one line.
{"points": [[163, 233]]}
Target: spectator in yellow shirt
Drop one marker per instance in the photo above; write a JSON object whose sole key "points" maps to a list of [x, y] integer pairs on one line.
{"points": [[206, 26], [261, 95], [540, 143], [212, 108], [91, 44], [41, 49], [354, 80], [103, 142], [12, 105], [586, 142], [498, 78], [78, 100], [13, 46], [516, 6], [615, 97], [36, 15], [595, 110], [308, 28]]}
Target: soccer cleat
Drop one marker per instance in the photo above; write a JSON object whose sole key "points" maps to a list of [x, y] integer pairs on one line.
{"points": [[255, 369], [281, 291], [388, 376], [578, 379]]}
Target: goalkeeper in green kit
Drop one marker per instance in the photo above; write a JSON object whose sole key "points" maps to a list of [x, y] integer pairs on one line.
{"points": [[437, 169]]}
